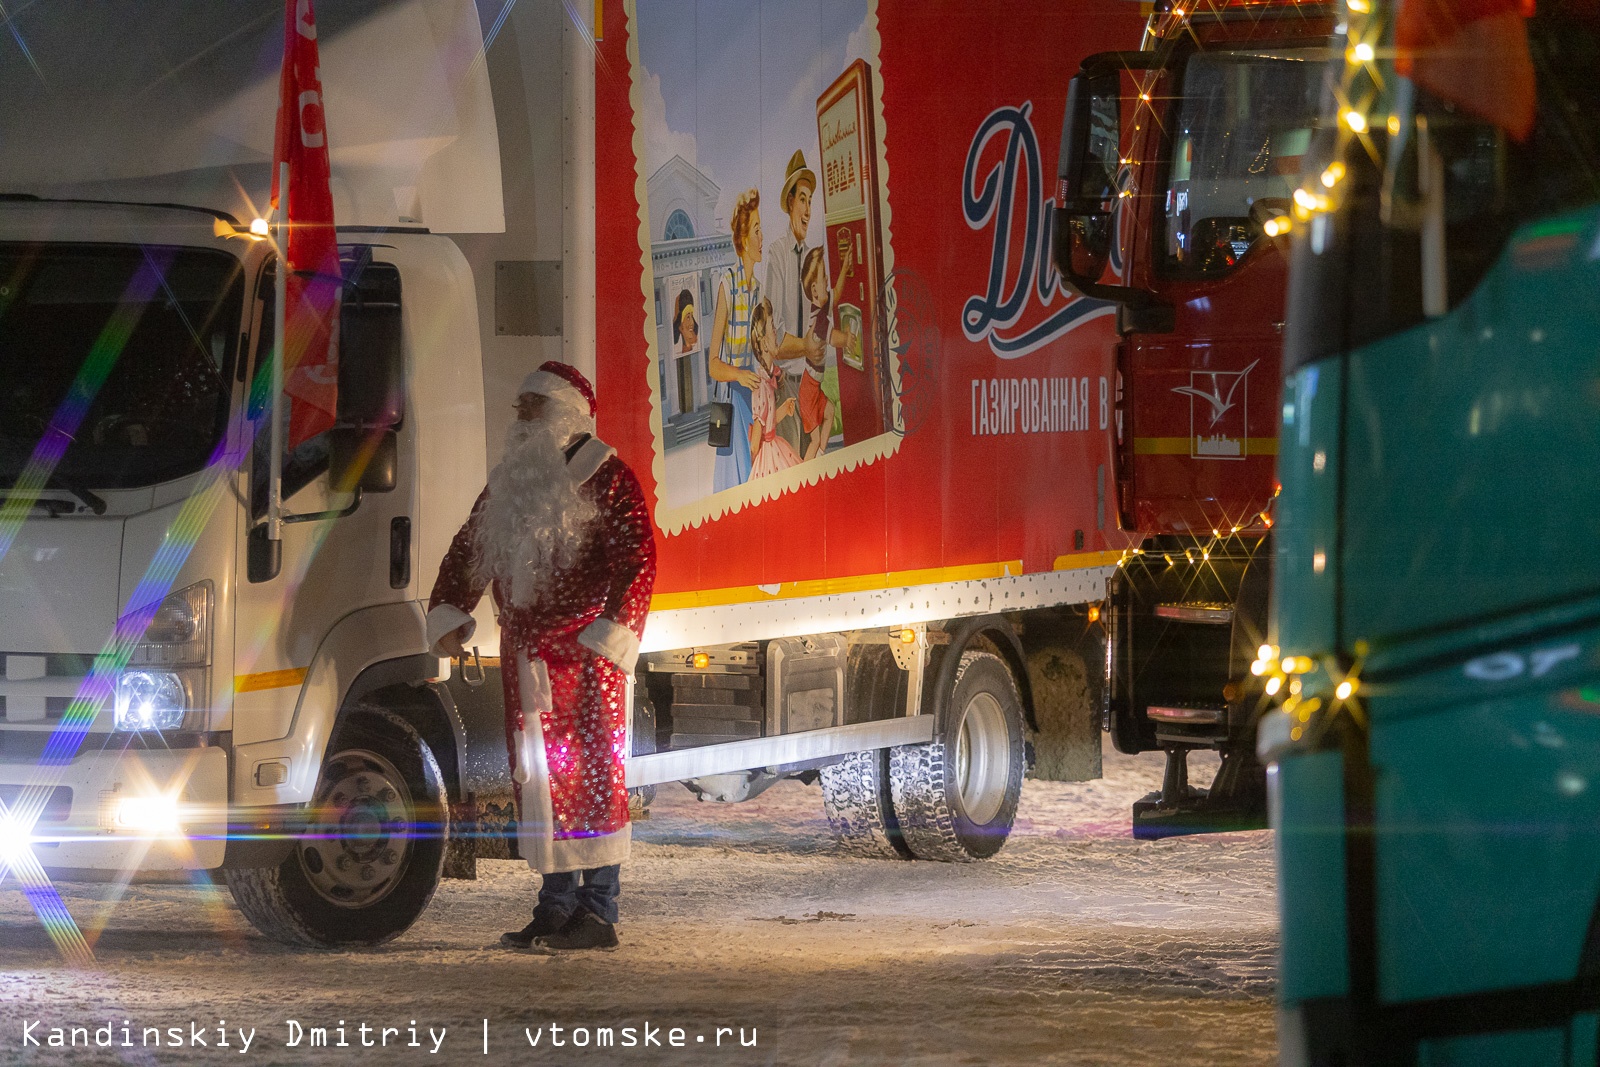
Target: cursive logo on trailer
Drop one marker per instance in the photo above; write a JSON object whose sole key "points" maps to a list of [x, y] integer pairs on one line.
{"points": [[1024, 305]]}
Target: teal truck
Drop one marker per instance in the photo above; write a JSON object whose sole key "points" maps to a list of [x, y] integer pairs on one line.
{"points": [[1434, 741]]}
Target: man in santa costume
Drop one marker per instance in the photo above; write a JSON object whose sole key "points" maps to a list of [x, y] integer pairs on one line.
{"points": [[562, 535]]}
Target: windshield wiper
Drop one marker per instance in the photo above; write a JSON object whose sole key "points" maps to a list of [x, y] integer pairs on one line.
{"points": [[91, 501], [56, 508]]}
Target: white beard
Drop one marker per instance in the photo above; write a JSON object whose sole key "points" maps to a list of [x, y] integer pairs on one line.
{"points": [[537, 517]]}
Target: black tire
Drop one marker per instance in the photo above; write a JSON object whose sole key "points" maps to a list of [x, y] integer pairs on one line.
{"points": [[955, 798], [855, 797], [370, 870]]}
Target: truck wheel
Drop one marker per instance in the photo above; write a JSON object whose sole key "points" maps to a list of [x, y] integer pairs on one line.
{"points": [[956, 797], [855, 796], [373, 850]]}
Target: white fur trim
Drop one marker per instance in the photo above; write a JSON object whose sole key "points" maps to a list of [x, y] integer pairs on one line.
{"points": [[556, 388], [612, 640], [536, 817], [590, 457], [587, 853], [443, 619]]}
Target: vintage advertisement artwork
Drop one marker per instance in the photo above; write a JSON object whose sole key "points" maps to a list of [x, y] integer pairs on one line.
{"points": [[759, 133], [956, 417]]}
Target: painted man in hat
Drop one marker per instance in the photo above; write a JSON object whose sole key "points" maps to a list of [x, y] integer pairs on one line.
{"points": [[562, 535], [785, 257]]}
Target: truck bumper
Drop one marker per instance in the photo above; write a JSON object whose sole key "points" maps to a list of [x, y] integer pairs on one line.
{"points": [[129, 812]]}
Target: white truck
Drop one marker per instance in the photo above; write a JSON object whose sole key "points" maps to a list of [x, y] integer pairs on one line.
{"points": [[182, 694]]}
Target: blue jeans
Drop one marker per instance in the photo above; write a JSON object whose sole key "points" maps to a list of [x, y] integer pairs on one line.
{"points": [[597, 892]]}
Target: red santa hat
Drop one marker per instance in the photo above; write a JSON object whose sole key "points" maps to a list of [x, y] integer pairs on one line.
{"points": [[562, 383]]}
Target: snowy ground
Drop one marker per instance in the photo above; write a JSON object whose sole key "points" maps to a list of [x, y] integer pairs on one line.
{"points": [[1075, 945]]}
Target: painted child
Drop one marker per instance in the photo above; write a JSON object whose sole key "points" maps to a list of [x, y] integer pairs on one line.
{"points": [[819, 391], [769, 453]]}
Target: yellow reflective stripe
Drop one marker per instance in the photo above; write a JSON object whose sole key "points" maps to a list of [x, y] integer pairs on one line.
{"points": [[746, 594], [1080, 560], [255, 683], [1179, 446]]}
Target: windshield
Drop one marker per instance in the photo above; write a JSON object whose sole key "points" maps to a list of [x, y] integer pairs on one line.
{"points": [[1242, 123], [1376, 279], [127, 349]]}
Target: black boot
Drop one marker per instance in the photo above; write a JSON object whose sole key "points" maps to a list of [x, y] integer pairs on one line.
{"points": [[584, 930], [545, 922]]}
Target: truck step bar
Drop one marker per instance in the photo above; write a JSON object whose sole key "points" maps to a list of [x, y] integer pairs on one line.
{"points": [[683, 764]]}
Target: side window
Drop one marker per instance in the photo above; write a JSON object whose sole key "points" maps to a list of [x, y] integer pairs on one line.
{"points": [[371, 368]]}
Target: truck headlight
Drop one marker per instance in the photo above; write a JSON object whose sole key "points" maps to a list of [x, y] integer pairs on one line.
{"points": [[152, 700], [180, 633], [164, 686]]}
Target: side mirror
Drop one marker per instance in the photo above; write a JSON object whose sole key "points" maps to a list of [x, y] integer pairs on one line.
{"points": [[367, 460], [362, 445], [1088, 191], [263, 557]]}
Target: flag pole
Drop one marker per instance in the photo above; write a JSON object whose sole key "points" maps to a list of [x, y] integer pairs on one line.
{"points": [[280, 313]]}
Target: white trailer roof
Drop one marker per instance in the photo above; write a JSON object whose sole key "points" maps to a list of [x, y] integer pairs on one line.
{"points": [[173, 100]]}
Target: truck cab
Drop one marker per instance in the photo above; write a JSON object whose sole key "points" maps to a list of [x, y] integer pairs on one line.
{"points": [[180, 695], [1178, 166], [1433, 756]]}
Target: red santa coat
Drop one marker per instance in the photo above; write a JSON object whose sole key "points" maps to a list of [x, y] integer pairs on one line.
{"points": [[565, 662]]}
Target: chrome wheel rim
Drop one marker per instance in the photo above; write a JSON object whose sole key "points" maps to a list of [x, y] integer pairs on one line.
{"points": [[359, 842], [983, 758]]}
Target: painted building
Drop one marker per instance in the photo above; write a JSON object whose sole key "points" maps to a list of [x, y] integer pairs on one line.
{"points": [[689, 249]]}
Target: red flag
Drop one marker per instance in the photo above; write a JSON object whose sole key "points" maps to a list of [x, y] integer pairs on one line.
{"points": [[1472, 53], [310, 349]]}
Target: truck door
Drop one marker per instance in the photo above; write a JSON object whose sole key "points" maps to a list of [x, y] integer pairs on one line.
{"points": [[1204, 419], [335, 559], [1438, 582]]}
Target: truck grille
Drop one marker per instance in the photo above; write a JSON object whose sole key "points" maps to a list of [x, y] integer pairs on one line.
{"points": [[36, 690], [54, 708]]}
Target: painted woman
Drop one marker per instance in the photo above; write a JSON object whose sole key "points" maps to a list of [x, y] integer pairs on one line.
{"points": [[732, 361]]}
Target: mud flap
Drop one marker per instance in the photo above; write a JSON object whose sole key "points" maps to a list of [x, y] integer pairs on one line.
{"points": [[461, 851]]}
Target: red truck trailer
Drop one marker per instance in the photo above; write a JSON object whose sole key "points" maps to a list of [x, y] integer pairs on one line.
{"points": [[1177, 169], [891, 582]]}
